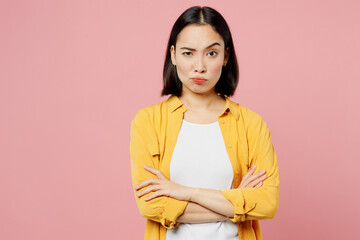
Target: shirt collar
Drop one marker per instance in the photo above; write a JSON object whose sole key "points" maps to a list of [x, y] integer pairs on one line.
{"points": [[175, 104]]}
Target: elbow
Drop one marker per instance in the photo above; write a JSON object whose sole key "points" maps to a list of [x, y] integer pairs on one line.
{"points": [[272, 211], [148, 210], [272, 208], [153, 213], [164, 210], [265, 209], [261, 212]]}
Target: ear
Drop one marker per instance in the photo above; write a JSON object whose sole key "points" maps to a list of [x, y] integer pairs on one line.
{"points": [[172, 51], [226, 57]]}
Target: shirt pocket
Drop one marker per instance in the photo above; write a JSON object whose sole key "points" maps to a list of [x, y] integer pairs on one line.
{"points": [[155, 154], [154, 149]]}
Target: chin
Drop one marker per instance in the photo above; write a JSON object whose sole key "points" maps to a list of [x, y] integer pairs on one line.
{"points": [[201, 91]]}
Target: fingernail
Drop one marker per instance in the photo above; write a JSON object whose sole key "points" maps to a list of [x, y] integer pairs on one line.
{"points": [[254, 167], [262, 171]]}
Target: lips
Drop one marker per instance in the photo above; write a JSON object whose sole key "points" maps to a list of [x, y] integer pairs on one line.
{"points": [[199, 80]]}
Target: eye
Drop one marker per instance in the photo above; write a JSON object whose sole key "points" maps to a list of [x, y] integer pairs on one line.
{"points": [[186, 53], [215, 53]]}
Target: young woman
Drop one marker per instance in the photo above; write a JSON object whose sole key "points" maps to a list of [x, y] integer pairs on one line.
{"points": [[195, 156]]}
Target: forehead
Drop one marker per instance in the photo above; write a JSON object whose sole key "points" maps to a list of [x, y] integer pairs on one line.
{"points": [[198, 36]]}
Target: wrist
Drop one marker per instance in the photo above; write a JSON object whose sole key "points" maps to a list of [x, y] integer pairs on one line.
{"points": [[193, 192]]}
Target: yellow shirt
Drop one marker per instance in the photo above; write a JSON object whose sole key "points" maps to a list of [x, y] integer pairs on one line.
{"points": [[154, 131]]}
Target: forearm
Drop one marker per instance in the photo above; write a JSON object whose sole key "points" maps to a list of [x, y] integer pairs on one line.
{"points": [[195, 213], [213, 200]]}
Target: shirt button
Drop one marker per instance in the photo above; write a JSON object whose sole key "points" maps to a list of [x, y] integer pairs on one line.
{"points": [[222, 121], [229, 146]]}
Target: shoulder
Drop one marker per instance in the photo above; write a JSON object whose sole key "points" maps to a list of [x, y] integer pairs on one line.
{"points": [[150, 112], [244, 113], [250, 120], [254, 123], [249, 115]]}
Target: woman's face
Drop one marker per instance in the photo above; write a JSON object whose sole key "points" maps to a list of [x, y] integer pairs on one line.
{"points": [[199, 53]]}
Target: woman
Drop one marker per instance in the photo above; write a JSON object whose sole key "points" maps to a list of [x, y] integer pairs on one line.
{"points": [[194, 156]]}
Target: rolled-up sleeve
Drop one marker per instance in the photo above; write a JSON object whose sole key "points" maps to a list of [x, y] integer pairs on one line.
{"points": [[261, 202], [144, 150]]}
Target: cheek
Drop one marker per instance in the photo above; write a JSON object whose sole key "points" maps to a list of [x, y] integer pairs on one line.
{"points": [[216, 67], [183, 67]]}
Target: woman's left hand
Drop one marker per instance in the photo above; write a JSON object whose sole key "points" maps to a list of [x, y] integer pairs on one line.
{"points": [[161, 186]]}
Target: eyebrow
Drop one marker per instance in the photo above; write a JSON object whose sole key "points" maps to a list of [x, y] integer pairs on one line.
{"points": [[211, 45]]}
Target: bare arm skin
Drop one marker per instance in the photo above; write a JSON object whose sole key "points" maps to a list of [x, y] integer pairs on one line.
{"points": [[195, 213], [212, 199]]}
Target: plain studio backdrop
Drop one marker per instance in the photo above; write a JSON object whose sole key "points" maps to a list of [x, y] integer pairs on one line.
{"points": [[73, 74]]}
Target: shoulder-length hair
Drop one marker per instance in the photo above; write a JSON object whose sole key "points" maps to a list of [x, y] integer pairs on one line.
{"points": [[230, 73]]}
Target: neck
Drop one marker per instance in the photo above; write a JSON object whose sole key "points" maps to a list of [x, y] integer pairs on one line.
{"points": [[199, 102]]}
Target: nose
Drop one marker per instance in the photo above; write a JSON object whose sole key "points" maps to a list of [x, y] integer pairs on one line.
{"points": [[200, 65]]}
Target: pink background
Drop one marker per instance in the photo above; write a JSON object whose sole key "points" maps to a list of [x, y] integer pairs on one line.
{"points": [[74, 73]]}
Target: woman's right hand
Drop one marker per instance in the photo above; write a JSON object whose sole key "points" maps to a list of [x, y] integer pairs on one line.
{"points": [[252, 180]]}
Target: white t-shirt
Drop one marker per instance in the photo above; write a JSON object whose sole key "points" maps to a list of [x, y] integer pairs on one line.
{"points": [[200, 160]]}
